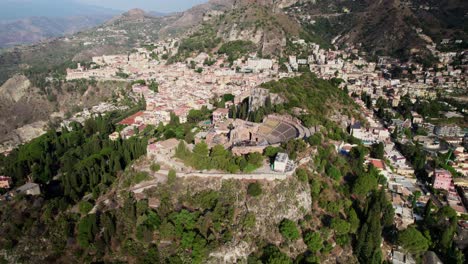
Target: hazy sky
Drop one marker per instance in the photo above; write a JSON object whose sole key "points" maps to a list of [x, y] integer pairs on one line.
{"points": [[149, 5]]}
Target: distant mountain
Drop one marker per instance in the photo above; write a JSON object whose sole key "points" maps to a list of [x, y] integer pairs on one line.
{"points": [[397, 28], [118, 34], [386, 27], [157, 14], [19, 9], [31, 21], [34, 29], [401, 29]]}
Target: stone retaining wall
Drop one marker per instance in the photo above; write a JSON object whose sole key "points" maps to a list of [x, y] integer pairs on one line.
{"points": [[259, 176]]}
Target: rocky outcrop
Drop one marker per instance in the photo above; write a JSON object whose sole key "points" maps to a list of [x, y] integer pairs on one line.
{"points": [[260, 22], [276, 4], [24, 134], [288, 199], [195, 15], [25, 110], [15, 88], [258, 98], [135, 13]]}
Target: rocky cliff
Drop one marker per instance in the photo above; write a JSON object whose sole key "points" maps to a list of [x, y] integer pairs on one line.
{"points": [[25, 110]]}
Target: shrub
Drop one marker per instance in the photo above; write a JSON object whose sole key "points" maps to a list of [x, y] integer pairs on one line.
{"points": [[341, 227], [140, 177], [171, 177], [155, 167], [254, 189], [413, 241], [289, 230], [249, 220], [313, 241], [302, 175], [85, 207]]}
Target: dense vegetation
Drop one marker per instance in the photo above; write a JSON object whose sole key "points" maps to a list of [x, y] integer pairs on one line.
{"points": [[175, 129], [177, 222], [203, 40], [237, 49], [83, 155], [202, 158], [316, 95], [68, 164]]}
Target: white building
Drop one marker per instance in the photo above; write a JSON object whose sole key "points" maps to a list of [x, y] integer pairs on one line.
{"points": [[257, 65], [29, 188], [281, 162]]}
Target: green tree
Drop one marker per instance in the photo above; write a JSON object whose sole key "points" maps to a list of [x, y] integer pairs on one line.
{"points": [[369, 237], [87, 229], [171, 176], [155, 167], [200, 159], [272, 255], [182, 152], [254, 189], [334, 173], [340, 226], [154, 86], [174, 119], [255, 159], [353, 221], [315, 188], [289, 230], [377, 151], [302, 174], [107, 222], [151, 256], [413, 241], [85, 207], [249, 220], [364, 184], [315, 139], [313, 241], [271, 151]]}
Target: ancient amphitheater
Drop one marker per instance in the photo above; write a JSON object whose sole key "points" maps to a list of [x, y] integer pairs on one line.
{"points": [[276, 129]]}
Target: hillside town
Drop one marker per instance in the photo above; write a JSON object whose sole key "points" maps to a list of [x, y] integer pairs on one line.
{"points": [[182, 88], [234, 131], [174, 90]]}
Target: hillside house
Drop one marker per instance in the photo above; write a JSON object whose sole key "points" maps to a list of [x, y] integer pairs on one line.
{"points": [[29, 188], [5, 182], [281, 162], [442, 179], [164, 148], [448, 131], [220, 115]]}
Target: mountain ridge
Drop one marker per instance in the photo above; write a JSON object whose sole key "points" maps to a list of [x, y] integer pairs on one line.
{"points": [[35, 29], [14, 10]]}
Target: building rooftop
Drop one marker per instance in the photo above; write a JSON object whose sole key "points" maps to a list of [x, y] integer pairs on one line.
{"points": [[379, 164], [27, 186], [221, 111], [168, 144], [131, 119], [281, 157]]}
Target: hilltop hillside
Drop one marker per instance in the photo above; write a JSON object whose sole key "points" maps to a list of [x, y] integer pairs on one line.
{"points": [[110, 203], [35, 29], [400, 29], [322, 100], [120, 34], [249, 22], [31, 21], [387, 27], [14, 10]]}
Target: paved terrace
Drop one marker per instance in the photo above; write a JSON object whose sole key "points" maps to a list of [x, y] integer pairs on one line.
{"points": [[270, 176]]}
